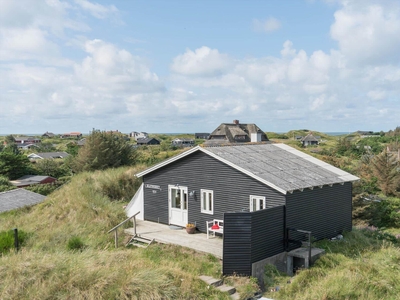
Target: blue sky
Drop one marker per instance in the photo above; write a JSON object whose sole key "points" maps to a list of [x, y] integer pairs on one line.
{"points": [[187, 66]]}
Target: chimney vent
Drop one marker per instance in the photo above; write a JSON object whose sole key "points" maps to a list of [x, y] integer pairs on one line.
{"points": [[236, 122]]}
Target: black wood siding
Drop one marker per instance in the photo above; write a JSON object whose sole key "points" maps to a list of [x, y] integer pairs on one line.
{"points": [[251, 237], [268, 232], [232, 189], [324, 211], [237, 244]]}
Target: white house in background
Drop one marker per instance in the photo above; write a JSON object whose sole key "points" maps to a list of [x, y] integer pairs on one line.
{"points": [[45, 155], [182, 142], [138, 135]]}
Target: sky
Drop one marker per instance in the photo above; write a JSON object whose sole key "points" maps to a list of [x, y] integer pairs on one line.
{"points": [[187, 66]]}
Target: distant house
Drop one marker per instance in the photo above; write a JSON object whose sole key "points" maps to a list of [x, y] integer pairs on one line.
{"points": [[232, 133], [309, 140], [71, 134], [18, 198], [26, 146], [201, 135], [45, 155], [138, 135], [360, 132], [148, 141], [81, 142], [28, 180], [48, 134], [182, 142], [27, 140]]}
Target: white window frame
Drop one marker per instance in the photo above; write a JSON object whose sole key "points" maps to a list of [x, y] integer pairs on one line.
{"points": [[207, 210], [257, 198]]}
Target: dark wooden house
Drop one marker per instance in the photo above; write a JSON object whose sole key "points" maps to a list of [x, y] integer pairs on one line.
{"points": [[201, 135], [148, 141], [259, 190]]}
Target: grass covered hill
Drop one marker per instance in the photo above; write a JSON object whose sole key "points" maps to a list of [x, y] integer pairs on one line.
{"points": [[67, 253]]}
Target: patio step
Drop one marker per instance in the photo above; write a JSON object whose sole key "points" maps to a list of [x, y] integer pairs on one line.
{"points": [[140, 241], [211, 280], [219, 284]]}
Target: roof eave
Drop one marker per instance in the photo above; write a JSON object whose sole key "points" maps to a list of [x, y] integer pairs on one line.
{"points": [[168, 161]]}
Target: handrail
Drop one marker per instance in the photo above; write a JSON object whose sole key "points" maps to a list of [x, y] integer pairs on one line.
{"points": [[123, 222]]}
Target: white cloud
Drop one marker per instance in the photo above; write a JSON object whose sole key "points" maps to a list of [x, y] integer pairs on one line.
{"points": [[97, 10], [269, 25], [112, 69], [202, 61], [368, 33], [105, 86]]}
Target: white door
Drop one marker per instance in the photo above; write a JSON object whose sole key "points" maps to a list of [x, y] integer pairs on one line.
{"points": [[178, 205]]}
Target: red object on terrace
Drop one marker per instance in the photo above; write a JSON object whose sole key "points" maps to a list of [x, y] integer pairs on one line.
{"points": [[215, 226]]}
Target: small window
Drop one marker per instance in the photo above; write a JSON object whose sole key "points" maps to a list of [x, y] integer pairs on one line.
{"points": [[207, 201], [257, 203]]}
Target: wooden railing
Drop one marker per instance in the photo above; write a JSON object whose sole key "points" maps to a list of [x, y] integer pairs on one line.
{"points": [[123, 222]]}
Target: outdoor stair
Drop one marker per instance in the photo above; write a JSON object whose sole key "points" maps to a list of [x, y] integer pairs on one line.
{"points": [[140, 241], [219, 284]]}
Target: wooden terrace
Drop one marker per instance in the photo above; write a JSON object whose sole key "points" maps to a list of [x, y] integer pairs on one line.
{"points": [[167, 234]]}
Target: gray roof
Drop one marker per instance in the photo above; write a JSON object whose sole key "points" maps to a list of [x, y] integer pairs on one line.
{"points": [[51, 154], [226, 133], [29, 179], [18, 198], [309, 138], [81, 142], [26, 138], [277, 165], [146, 140]]}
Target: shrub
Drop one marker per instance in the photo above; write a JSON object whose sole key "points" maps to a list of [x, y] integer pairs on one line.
{"points": [[118, 186], [386, 213], [75, 243], [7, 240]]}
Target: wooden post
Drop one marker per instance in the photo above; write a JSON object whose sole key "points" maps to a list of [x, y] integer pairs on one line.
{"points": [[16, 241], [134, 223], [309, 248]]}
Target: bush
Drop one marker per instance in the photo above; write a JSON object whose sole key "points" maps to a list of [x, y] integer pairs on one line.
{"points": [[7, 240], [75, 243], [103, 150], [371, 231], [5, 184], [386, 213], [118, 185]]}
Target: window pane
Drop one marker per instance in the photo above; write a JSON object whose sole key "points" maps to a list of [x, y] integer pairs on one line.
{"points": [[209, 202], [185, 198], [177, 199], [261, 203], [254, 201], [204, 201]]}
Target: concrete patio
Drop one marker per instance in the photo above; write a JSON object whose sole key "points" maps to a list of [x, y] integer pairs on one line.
{"points": [[164, 234]]}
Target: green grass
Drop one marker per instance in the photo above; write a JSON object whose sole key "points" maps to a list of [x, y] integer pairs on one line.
{"points": [[69, 255], [360, 266]]}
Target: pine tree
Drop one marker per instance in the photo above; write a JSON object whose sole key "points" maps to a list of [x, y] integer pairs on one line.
{"points": [[386, 169]]}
